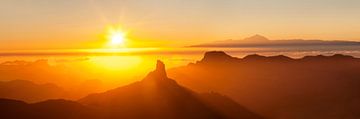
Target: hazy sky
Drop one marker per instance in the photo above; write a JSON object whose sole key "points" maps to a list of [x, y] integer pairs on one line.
{"points": [[38, 24]]}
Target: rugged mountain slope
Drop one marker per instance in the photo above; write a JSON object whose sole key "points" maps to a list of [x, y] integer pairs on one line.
{"points": [[280, 87], [157, 96]]}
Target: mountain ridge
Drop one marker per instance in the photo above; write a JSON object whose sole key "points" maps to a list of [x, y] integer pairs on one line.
{"points": [[30, 91], [278, 87], [154, 97], [222, 57], [158, 96]]}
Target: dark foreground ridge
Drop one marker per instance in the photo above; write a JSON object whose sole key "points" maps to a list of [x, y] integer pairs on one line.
{"points": [[51, 109], [155, 97]]}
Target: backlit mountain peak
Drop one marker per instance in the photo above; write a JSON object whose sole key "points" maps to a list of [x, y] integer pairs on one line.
{"points": [[256, 38]]}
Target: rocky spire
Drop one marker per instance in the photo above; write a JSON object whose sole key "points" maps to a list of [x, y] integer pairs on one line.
{"points": [[158, 74], [160, 69]]}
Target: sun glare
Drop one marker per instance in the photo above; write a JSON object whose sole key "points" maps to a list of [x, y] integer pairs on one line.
{"points": [[116, 38]]}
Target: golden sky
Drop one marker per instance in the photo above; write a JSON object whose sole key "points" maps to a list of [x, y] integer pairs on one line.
{"points": [[62, 24]]}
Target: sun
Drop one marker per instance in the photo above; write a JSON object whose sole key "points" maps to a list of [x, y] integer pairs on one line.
{"points": [[116, 37]]}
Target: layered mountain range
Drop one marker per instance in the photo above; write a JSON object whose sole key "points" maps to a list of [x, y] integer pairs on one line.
{"points": [[277, 87], [155, 97], [280, 87]]}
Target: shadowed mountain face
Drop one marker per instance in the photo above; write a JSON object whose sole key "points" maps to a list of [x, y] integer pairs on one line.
{"points": [[155, 97], [51, 109], [313, 87], [29, 91]]}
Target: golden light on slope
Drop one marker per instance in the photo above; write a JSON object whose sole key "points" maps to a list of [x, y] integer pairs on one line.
{"points": [[116, 37]]}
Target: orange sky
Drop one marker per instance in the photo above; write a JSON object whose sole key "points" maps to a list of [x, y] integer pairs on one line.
{"points": [[42, 24]]}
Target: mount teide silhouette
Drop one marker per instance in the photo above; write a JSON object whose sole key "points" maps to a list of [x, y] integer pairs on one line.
{"points": [[280, 87], [255, 39], [160, 97]]}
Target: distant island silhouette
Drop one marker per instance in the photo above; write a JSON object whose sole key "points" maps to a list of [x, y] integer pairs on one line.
{"points": [[261, 41]]}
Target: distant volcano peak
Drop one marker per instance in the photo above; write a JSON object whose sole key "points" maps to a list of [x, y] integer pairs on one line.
{"points": [[256, 38]]}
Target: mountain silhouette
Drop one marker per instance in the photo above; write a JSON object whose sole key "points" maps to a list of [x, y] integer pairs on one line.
{"points": [[217, 56], [256, 38], [160, 97], [30, 92], [312, 87], [261, 41], [51, 109], [155, 97], [41, 81]]}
